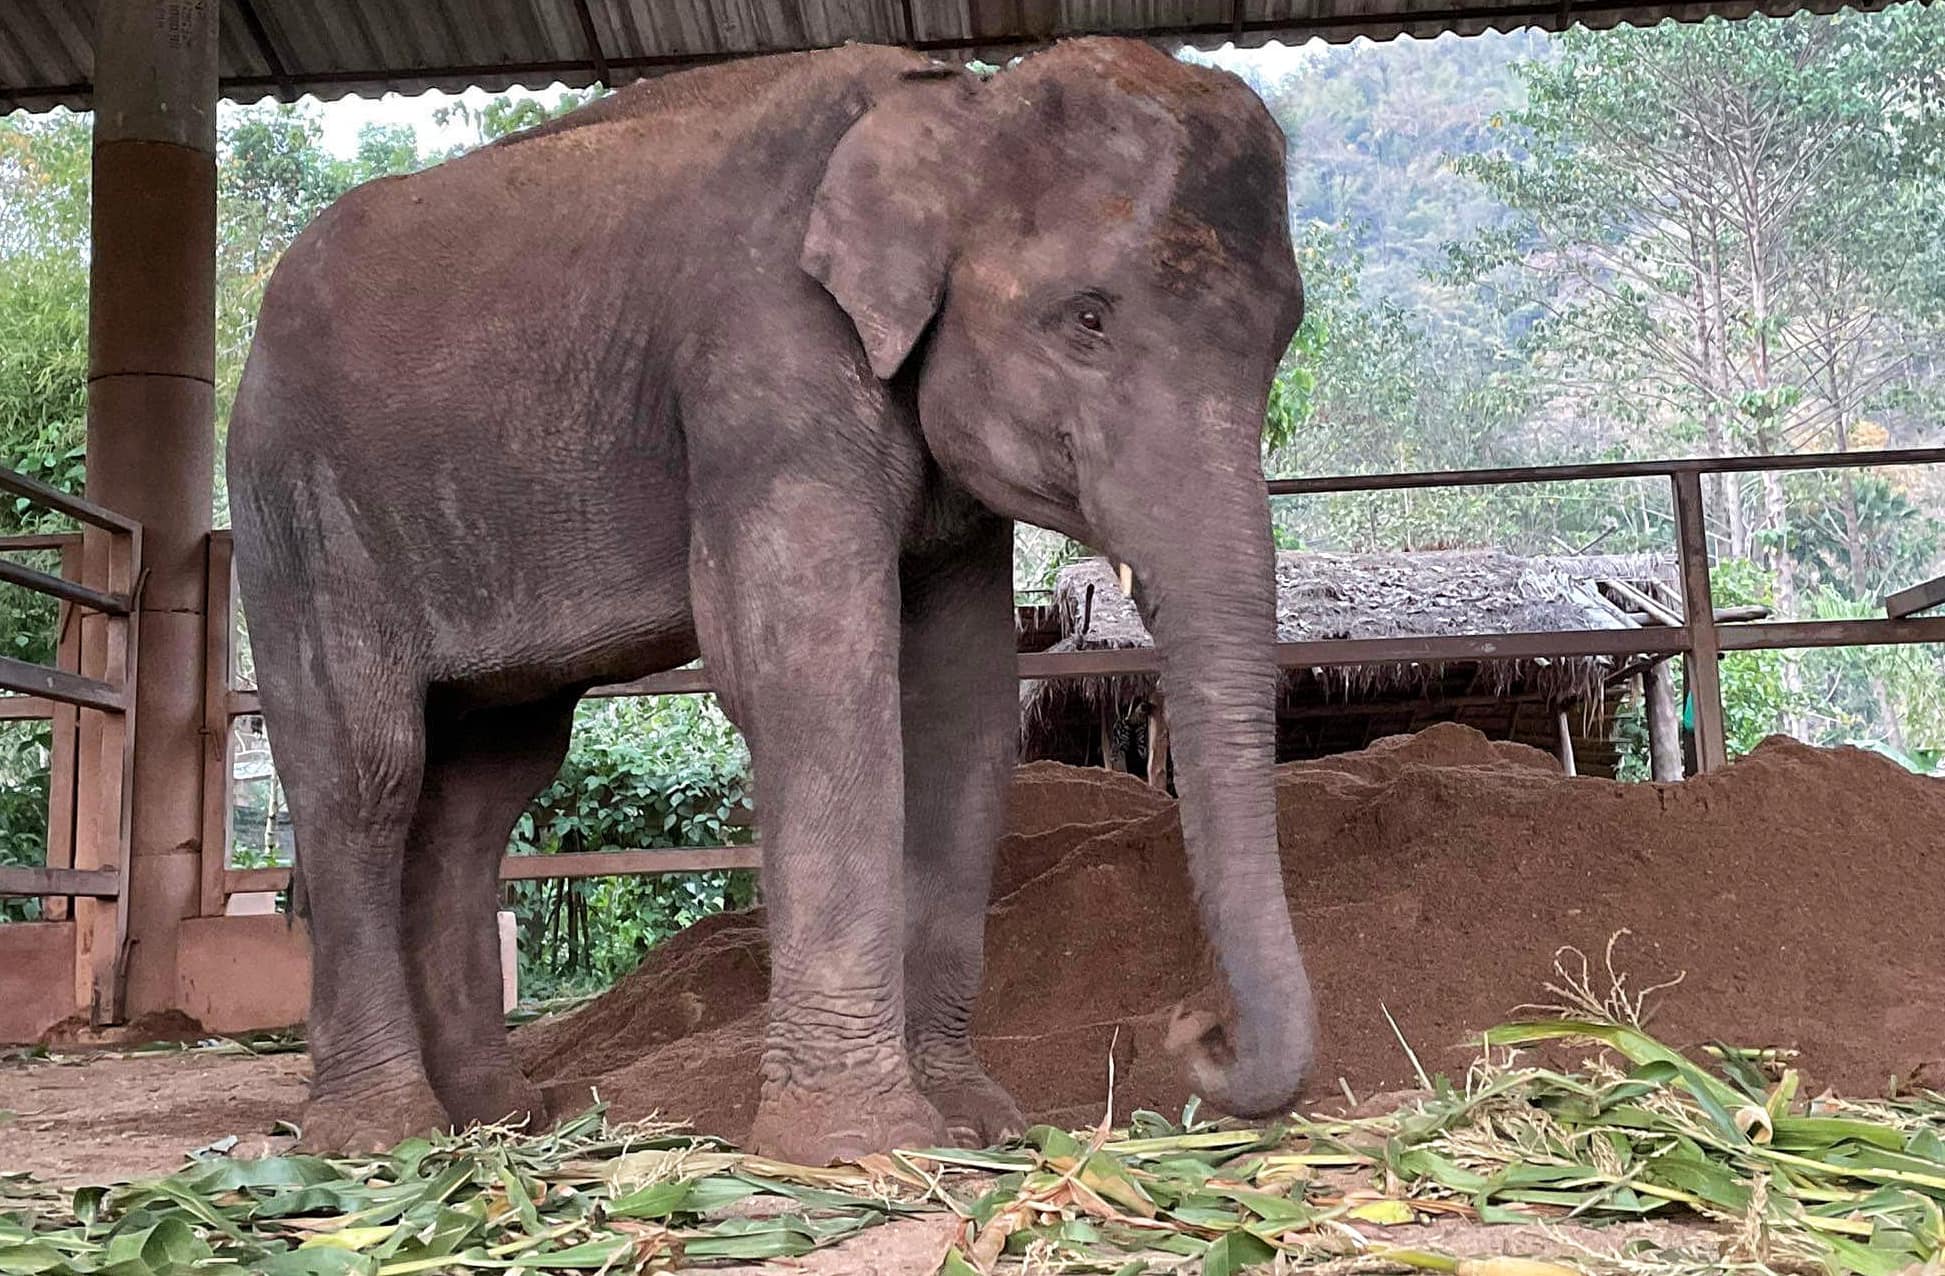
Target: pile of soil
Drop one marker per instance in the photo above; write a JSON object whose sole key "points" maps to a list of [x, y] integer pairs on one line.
{"points": [[1434, 876]]}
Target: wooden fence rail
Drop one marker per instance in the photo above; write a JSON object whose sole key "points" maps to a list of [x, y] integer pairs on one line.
{"points": [[87, 693], [88, 698], [1697, 641]]}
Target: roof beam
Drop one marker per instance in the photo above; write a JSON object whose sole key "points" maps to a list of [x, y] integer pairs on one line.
{"points": [[597, 58], [1543, 13], [267, 50]]}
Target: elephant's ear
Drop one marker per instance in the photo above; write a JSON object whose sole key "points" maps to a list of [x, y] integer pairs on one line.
{"points": [[881, 231]]}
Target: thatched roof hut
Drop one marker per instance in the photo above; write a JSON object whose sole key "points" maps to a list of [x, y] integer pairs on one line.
{"points": [[1336, 596]]}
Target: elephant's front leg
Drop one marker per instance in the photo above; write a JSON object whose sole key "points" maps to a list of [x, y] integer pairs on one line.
{"points": [[961, 724], [797, 612]]}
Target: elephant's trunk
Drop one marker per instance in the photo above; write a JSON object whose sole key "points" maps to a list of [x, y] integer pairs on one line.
{"points": [[1207, 589]]}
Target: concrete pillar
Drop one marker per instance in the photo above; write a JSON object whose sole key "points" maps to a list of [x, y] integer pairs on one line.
{"points": [[151, 427]]}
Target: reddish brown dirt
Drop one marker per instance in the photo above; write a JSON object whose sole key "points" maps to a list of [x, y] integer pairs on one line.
{"points": [[1434, 876], [98, 1118]]}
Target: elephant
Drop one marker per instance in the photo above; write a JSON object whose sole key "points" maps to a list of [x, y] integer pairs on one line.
{"points": [[758, 364]]}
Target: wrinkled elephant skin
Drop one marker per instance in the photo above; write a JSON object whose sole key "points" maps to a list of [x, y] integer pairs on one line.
{"points": [[759, 363]]}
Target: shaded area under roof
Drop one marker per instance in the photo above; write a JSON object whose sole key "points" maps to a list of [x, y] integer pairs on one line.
{"points": [[331, 48], [1324, 597]]}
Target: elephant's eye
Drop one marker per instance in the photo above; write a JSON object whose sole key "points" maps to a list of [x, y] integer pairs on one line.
{"points": [[1082, 319]]}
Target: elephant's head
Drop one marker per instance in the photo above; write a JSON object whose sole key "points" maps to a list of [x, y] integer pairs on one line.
{"points": [[1083, 267]]}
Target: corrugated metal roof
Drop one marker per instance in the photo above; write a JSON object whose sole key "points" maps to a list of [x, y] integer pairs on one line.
{"points": [[332, 48]]}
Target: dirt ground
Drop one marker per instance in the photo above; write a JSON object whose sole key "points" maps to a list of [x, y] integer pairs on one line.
{"points": [[1433, 878], [96, 1119], [119, 1117]]}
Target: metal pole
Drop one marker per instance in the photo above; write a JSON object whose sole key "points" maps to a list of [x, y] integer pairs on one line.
{"points": [[151, 435]]}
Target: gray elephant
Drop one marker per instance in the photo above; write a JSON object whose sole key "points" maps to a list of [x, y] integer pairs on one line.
{"points": [[758, 363]]}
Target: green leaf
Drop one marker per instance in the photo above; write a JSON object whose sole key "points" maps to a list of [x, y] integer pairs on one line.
{"points": [[1235, 1252]]}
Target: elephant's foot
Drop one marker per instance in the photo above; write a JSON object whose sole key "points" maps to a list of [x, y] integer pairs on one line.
{"points": [[829, 1125], [567, 1099], [501, 1096], [977, 1112], [360, 1123]]}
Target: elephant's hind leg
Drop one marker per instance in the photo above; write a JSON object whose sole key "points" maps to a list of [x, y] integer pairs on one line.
{"points": [[351, 753], [482, 769]]}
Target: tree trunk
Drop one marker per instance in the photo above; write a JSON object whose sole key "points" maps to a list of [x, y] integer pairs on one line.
{"points": [[1664, 723]]}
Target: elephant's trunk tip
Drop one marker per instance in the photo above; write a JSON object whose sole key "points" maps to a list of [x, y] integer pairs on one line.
{"points": [[1239, 1073]]}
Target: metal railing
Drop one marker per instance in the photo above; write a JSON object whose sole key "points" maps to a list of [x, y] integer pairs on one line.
{"points": [[88, 696], [1698, 640]]}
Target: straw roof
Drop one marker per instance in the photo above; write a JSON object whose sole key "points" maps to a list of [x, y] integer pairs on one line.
{"points": [[1336, 596]]}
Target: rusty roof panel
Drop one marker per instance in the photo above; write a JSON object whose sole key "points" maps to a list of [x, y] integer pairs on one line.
{"points": [[336, 47]]}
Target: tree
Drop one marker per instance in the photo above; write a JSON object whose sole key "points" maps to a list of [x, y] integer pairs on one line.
{"points": [[1701, 224]]}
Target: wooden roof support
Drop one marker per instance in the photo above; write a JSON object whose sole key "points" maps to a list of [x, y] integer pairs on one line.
{"points": [[597, 57], [1921, 597], [267, 50]]}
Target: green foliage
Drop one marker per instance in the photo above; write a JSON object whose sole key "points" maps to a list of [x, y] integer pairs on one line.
{"points": [[1641, 1133], [507, 113], [44, 168], [273, 178], [641, 774], [1755, 697], [1645, 242], [23, 806], [1038, 556]]}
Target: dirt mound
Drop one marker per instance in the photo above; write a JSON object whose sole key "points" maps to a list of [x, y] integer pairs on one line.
{"points": [[1433, 876]]}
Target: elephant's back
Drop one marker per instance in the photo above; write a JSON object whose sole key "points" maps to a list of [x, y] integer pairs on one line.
{"points": [[727, 87]]}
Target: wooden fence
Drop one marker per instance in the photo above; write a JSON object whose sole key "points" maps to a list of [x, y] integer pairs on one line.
{"points": [[88, 696], [1699, 639]]}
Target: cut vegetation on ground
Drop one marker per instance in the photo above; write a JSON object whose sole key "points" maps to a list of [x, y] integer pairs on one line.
{"points": [[1742, 1170]]}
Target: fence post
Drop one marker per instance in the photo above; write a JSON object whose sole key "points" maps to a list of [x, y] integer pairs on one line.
{"points": [[1698, 610], [62, 742], [219, 639]]}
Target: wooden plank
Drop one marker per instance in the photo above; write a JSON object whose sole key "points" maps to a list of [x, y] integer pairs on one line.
{"points": [[1606, 470], [526, 868], [239, 881], [25, 708], [65, 743], [93, 841], [675, 682], [92, 883], [1698, 604], [1441, 649], [1456, 647], [58, 684], [1664, 723], [219, 629], [688, 859], [1920, 597], [117, 797], [75, 507], [41, 540], [1780, 635], [1642, 602], [40, 582]]}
